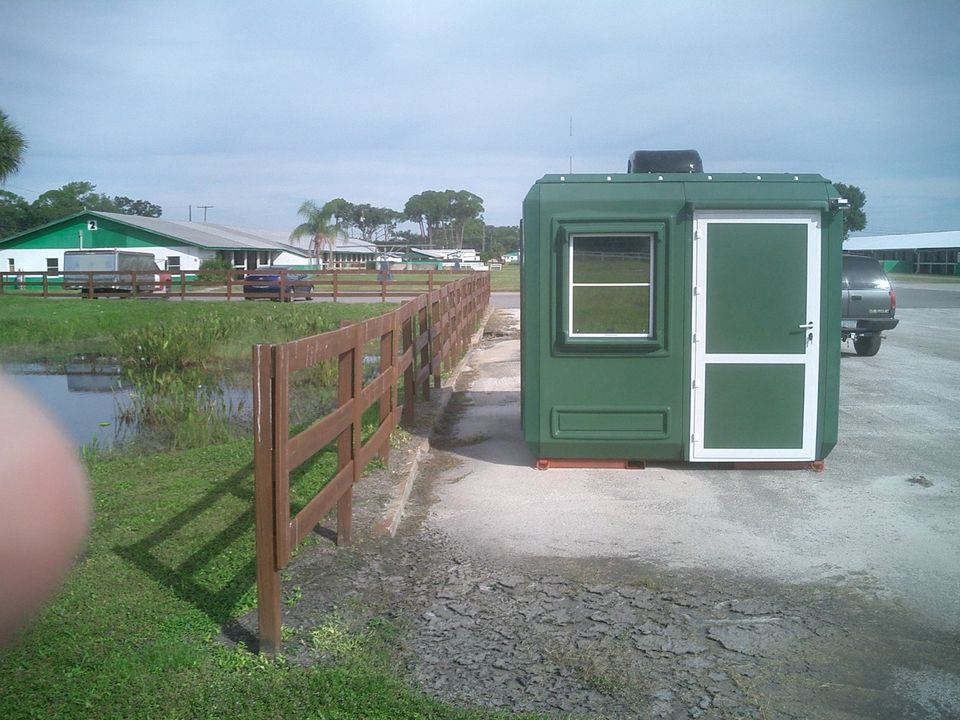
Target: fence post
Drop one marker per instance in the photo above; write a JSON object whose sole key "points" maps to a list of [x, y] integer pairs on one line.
{"points": [[268, 572], [336, 285], [423, 326], [387, 361], [436, 349], [410, 374], [345, 446]]}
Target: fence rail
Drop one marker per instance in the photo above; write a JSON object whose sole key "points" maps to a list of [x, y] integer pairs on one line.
{"points": [[425, 336], [290, 284]]}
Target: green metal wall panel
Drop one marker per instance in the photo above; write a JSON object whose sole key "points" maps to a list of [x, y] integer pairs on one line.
{"points": [[754, 406], [831, 263]]}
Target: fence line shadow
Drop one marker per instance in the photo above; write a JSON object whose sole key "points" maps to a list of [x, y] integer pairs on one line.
{"points": [[182, 578]]}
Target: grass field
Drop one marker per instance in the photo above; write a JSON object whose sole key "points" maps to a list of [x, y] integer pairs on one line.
{"points": [[133, 633], [32, 328], [505, 280]]}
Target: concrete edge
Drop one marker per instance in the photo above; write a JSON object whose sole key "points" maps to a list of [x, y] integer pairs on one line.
{"points": [[391, 518]]}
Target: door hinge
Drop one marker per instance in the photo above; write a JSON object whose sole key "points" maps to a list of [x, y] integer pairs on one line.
{"points": [[695, 384], [696, 290], [696, 338], [693, 437], [697, 235]]}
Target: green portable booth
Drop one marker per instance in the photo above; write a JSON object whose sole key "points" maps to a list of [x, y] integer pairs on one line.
{"points": [[681, 316]]}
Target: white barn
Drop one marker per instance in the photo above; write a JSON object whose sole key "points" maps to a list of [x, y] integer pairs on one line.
{"points": [[176, 245]]}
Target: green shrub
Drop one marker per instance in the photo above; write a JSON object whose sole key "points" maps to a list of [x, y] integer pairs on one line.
{"points": [[214, 270]]}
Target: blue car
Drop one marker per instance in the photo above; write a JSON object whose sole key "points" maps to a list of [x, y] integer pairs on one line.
{"points": [[264, 283]]}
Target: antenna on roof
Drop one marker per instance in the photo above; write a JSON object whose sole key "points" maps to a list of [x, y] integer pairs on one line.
{"points": [[204, 208]]}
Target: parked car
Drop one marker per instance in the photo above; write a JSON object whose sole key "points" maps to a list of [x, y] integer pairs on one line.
{"points": [[869, 303], [265, 283]]}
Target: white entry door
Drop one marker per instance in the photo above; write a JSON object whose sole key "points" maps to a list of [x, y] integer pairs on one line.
{"points": [[756, 341]]}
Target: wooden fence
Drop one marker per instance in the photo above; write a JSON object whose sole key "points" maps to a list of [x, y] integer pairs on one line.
{"points": [[417, 342], [290, 284]]}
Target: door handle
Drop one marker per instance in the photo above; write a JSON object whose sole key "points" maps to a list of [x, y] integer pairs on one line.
{"points": [[806, 326], [856, 297]]}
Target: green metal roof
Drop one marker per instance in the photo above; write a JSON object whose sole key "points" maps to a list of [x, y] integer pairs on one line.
{"points": [[204, 235]]}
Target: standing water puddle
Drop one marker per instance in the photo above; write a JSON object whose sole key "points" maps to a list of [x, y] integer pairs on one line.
{"points": [[87, 399], [90, 397]]}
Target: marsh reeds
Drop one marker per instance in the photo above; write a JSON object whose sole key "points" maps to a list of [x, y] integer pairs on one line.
{"points": [[178, 399]]}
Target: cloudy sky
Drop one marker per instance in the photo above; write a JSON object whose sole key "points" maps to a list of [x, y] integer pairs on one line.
{"points": [[254, 107]]}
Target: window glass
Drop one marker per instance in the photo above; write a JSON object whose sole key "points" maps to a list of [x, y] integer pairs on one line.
{"points": [[173, 263], [53, 265], [864, 273], [610, 285]]}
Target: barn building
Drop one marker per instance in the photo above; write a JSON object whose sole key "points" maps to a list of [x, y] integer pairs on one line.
{"points": [[177, 245], [933, 253]]}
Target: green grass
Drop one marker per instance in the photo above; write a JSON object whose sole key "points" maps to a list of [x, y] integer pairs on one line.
{"points": [[593, 270], [132, 634], [611, 310], [32, 328], [505, 280]]}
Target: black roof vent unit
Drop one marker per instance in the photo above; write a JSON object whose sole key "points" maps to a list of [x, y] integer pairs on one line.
{"points": [[665, 161]]}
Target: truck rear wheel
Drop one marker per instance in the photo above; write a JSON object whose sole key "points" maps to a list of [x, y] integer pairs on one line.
{"points": [[867, 345]]}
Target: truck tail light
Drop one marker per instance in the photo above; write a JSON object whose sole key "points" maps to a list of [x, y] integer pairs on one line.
{"points": [[893, 301]]}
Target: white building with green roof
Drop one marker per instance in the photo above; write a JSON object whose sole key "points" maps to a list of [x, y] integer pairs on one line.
{"points": [[176, 245]]}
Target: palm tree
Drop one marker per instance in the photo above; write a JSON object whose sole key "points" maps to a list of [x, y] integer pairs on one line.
{"points": [[12, 145], [317, 226]]}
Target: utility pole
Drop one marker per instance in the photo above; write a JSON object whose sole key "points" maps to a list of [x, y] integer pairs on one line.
{"points": [[204, 208]]}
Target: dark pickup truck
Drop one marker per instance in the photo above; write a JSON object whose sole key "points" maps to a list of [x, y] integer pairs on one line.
{"points": [[869, 303]]}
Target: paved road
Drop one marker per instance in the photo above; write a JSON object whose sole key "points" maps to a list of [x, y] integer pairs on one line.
{"points": [[927, 295], [510, 300]]}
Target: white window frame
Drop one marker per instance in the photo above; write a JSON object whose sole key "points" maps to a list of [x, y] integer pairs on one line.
{"points": [[651, 239], [53, 265]]}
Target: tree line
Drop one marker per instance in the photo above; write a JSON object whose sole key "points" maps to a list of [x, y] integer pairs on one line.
{"points": [[17, 215], [444, 218]]}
